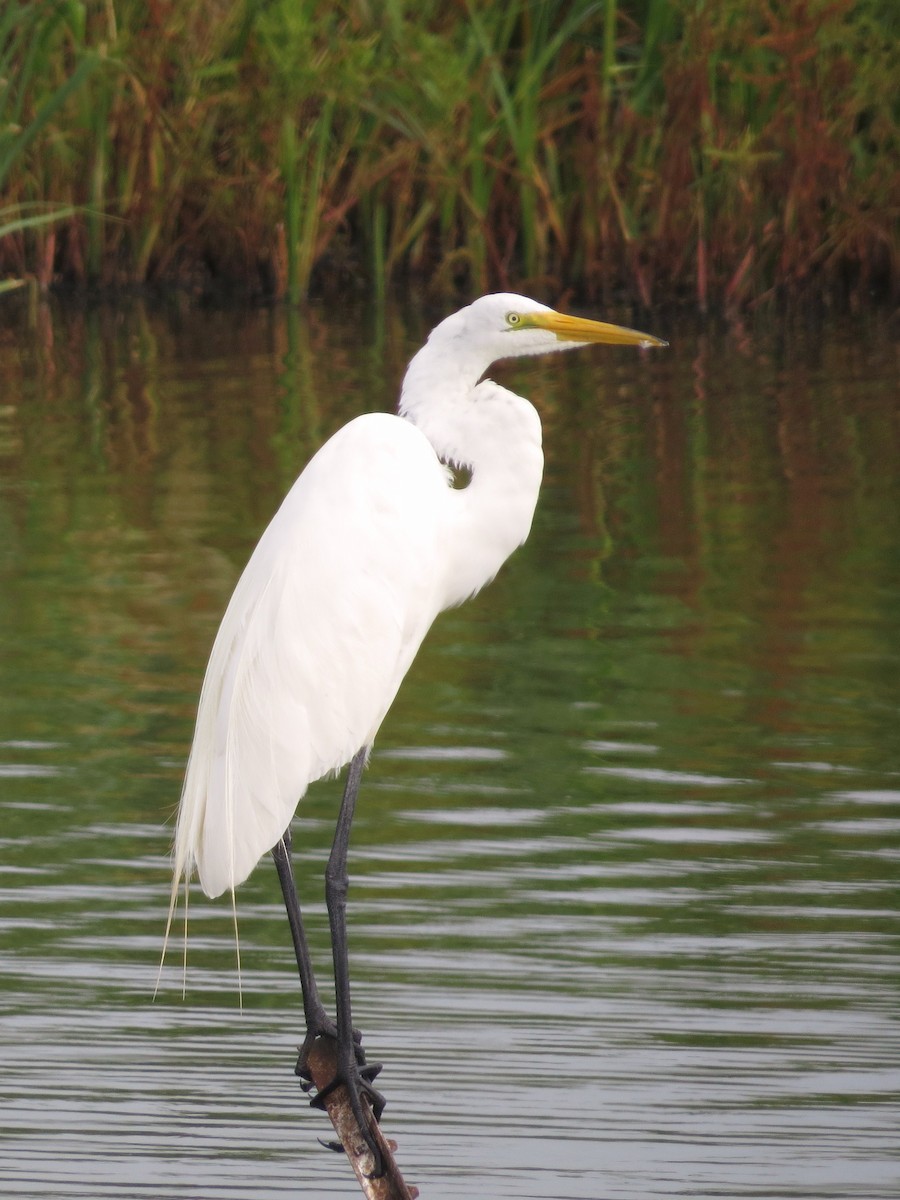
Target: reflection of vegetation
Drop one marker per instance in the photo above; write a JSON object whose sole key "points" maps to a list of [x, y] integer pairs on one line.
{"points": [[726, 149], [720, 533]]}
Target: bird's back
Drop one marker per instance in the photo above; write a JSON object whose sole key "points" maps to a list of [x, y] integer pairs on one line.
{"points": [[319, 633]]}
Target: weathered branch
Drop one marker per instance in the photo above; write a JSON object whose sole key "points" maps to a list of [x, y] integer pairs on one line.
{"points": [[322, 1065]]}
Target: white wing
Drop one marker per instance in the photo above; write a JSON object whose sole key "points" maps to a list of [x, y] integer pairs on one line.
{"points": [[322, 626]]}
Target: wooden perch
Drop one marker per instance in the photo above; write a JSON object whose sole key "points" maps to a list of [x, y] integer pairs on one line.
{"points": [[322, 1064]]}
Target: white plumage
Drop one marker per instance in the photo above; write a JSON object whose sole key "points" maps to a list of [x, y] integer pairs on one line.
{"points": [[370, 544]]}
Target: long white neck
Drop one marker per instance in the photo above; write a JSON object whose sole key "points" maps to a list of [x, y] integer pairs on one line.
{"points": [[493, 433], [436, 394]]}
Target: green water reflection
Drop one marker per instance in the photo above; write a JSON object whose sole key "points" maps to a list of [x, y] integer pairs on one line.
{"points": [[631, 834]]}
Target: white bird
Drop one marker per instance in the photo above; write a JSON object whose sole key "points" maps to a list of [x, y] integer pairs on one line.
{"points": [[369, 545]]}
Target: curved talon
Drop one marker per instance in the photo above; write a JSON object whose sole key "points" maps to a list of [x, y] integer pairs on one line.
{"points": [[378, 1171], [378, 1167], [377, 1101]]}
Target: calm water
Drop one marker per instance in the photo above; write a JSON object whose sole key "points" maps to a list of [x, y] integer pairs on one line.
{"points": [[625, 899]]}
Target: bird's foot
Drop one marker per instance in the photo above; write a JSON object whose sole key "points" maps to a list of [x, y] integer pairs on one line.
{"points": [[356, 1079], [348, 1069]]}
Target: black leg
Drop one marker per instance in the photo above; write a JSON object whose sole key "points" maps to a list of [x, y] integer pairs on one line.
{"points": [[317, 1019], [356, 1078], [336, 885]]}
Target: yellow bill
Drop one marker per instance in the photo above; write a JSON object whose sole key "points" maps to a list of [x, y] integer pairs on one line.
{"points": [[580, 329]]}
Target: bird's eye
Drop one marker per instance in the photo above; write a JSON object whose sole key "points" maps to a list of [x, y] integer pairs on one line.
{"points": [[513, 319]]}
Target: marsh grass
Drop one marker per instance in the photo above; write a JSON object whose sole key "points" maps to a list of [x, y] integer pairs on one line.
{"points": [[728, 152], [27, 42]]}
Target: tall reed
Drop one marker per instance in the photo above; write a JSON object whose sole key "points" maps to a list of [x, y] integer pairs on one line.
{"points": [[645, 148], [30, 100]]}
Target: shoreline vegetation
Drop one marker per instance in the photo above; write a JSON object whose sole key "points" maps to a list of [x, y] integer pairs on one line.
{"points": [[722, 154]]}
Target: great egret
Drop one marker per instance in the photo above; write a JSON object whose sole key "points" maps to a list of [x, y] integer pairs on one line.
{"points": [[370, 544]]}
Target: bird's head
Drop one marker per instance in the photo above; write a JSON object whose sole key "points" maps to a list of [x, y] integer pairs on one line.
{"points": [[505, 325]]}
